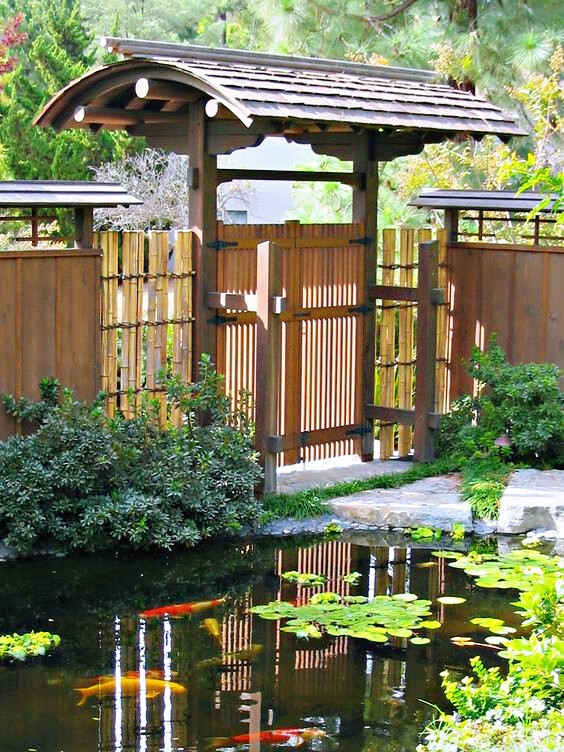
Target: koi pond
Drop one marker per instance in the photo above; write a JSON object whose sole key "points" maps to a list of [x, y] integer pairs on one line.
{"points": [[131, 674]]}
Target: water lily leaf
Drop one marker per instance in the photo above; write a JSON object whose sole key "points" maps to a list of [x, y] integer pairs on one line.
{"points": [[355, 598], [486, 621], [446, 554], [494, 640], [429, 624], [450, 600], [400, 632], [501, 630], [404, 597], [366, 634], [420, 641]]}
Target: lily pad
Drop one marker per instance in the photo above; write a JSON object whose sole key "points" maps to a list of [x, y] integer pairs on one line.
{"points": [[450, 600], [420, 641]]}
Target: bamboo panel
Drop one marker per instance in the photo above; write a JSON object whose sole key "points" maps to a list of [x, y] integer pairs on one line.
{"points": [[157, 317], [406, 339], [443, 349], [151, 365], [132, 266], [387, 343], [182, 312], [109, 245]]}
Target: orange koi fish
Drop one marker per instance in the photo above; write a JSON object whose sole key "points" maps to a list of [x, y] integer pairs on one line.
{"points": [[129, 685], [275, 736], [213, 628], [181, 609]]}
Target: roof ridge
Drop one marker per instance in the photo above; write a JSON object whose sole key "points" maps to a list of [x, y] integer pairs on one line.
{"points": [[184, 52]]}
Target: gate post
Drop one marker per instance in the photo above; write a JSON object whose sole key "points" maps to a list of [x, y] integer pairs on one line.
{"points": [[427, 300], [269, 305]]}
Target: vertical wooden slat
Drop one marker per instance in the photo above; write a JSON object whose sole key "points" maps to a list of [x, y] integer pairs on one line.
{"points": [[161, 337], [387, 342], [109, 242], [269, 266], [405, 340], [442, 387]]}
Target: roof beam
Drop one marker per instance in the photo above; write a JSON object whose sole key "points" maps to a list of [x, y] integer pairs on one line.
{"points": [[150, 88], [348, 178], [120, 116]]}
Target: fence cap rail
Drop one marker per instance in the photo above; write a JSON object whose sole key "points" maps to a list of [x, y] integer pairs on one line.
{"points": [[63, 193]]}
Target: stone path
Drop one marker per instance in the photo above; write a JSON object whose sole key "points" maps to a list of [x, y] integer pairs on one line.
{"points": [[533, 500]]}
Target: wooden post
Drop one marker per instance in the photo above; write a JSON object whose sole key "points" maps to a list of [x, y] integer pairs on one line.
{"points": [[83, 227], [426, 349], [451, 225], [365, 203], [202, 200], [269, 284]]}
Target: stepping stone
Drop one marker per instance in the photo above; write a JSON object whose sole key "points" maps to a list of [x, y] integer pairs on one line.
{"points": [[533, 500]]}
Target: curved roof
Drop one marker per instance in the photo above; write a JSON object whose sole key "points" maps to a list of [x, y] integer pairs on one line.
{"points": [[257, 87]]}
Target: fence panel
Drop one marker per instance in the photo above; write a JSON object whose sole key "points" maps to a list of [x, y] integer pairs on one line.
{"points": [[514, 291], [147, 321], [49, 319]]}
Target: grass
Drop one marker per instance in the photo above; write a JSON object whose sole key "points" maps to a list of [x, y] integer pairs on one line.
{"points": [[483, 482], [313, 501]]}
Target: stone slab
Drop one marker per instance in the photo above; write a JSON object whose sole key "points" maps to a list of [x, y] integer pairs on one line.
{"points": [[337, 470], [433, 502], [533, 500]]}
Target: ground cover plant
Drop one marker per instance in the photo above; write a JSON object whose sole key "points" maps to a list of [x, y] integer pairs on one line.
{"points": [[516, 419], [519, 709], [83, 481]]}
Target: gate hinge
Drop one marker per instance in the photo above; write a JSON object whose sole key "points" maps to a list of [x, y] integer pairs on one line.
{"points": [[221, 320], [364, 308], [219, 245], [364, 240], [360, 430]]}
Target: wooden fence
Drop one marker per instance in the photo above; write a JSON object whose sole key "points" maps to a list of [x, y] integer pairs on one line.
{"points": [[147, 320], [513, 290], [49, 323]]}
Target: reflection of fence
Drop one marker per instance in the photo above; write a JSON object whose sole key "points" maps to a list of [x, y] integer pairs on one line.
{"points": [[147, 323]]}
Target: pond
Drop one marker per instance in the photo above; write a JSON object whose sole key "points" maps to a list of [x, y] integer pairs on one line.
{"points": [[235, 673]]}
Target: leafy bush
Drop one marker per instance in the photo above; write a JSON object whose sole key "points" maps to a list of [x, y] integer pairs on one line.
{"points": [[85, 481], [518, 415], [521, 708]]}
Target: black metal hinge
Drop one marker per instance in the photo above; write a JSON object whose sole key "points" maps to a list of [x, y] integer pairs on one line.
{"points": [[359, 430], [219, 245], [364, 308], [221, 320], [364, 240]]}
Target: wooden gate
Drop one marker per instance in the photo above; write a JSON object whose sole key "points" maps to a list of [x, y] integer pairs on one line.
{"points": [[322, 327]]}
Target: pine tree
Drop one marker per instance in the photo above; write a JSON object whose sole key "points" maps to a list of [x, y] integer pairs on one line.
{"points": [[58, 49]]}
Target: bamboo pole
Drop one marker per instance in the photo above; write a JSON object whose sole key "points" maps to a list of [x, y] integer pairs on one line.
{"points": [[387, 342], [137, 243], [162, 318], [109, 243], [139, 317], [405, 337], [151, 347], [126, 291]]}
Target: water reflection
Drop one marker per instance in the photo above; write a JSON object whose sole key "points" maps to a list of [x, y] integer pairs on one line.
{"points": [[361, 696]]}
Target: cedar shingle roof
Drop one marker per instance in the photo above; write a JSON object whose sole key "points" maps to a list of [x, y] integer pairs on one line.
{"points": [[258, 86], [27, 193]]}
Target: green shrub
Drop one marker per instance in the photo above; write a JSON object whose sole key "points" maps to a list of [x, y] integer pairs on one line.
{"points": [[84, 481], [521, 407]]}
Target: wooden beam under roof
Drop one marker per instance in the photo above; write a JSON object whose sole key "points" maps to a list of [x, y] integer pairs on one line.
{"points": [[357, 180]]}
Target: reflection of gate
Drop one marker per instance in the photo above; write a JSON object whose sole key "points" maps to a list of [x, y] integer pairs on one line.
{"points": [[321, 331]]}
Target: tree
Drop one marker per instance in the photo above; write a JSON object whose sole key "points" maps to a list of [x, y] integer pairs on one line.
{"points": [[57, 50], [10, 38], [159, 178]]}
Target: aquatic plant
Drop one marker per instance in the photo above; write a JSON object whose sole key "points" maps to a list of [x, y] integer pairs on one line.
{"points": [[377, 620], [19, 647], [520, 709], [304, 578]]}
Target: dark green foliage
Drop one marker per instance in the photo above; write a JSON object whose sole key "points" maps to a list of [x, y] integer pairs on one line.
{"points": [[59, 48], [519, 405], [83, 481]]}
